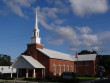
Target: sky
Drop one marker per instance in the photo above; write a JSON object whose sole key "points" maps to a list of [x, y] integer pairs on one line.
{"points": [[67, 26]]}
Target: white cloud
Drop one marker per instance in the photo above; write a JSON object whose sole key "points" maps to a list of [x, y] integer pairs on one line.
{"points": [[16, 6], [104, 37], [89, 40], [54, 41], [66, 32], [84, 30], [49, 13], [85, 7], [62, 5], [59, 21], [99, 49]]}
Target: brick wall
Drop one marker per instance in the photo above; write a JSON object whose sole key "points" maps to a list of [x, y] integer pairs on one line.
{"points": [[85, 68], [59, 62]]}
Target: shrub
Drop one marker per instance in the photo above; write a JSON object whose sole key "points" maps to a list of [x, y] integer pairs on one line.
{"points": [[30, 79], [9, 78]]}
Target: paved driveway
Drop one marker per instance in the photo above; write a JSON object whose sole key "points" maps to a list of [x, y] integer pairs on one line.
{"points": [[102, 81]]}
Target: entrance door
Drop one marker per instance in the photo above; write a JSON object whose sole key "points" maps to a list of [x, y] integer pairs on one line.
{"points": [[22, 72]]}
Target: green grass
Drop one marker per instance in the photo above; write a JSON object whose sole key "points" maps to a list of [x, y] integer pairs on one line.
{"points": [[81, 79]]}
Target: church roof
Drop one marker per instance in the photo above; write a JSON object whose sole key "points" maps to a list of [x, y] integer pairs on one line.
{"points": [[56, 54], [85, 57], [25, 61], [33, 62], [63, 56]]}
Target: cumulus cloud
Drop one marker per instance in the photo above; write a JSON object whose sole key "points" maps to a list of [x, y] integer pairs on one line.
{"points": [[99, 49], [89, 40], [62, 5], [49, 13], [84, 30], [50, 40], [85, 7], [104, 37], [66, 32], [17, 5]]}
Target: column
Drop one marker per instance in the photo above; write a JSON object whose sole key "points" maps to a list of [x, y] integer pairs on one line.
{"points": [[34, 73], [26, 73], [42, 73], [11, 72], [17, 73]]}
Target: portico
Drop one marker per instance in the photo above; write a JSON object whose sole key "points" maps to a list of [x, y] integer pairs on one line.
{"points": [[28, 67]]}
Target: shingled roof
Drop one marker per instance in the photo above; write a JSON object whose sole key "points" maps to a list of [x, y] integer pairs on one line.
{"points": [[63, 56], [55, 54], [25, 61], [85, 57]]}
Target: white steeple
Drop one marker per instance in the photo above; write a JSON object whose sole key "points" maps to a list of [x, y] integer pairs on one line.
{"points": [[36, 21], [36, 38]]}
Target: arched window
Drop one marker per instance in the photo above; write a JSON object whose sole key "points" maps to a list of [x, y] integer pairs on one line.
{"points": [[72, 68], [34, 33], [54, 69], [64, 68], [59, 69], [68, 68], [38, 34]]}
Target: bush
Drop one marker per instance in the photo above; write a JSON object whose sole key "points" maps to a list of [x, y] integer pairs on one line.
{"points": [[9, 78], [32, 79]]}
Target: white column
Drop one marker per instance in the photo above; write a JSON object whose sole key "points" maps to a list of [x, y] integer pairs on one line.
{"points": [[11, 72], [34, 73], [44, 72], [26, 73], [17, 72]]}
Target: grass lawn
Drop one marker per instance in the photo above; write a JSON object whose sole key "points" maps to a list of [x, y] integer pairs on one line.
{"points": [[81, 79]]}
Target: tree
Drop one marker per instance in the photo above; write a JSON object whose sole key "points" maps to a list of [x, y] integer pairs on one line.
{"points": [[5, 60], [87, 52]]}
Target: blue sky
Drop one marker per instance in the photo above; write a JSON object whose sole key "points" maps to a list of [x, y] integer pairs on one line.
{"points": [[67, 26]]}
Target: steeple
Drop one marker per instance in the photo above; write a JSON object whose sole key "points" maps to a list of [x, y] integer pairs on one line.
{"points": [[35, 38], [36, 21]]}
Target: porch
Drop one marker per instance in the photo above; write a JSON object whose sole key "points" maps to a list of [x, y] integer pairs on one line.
{"points": [[28, 67]]}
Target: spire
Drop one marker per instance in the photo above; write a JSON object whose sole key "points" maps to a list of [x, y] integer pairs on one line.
{"points": [[36, 38], [36, 20]]}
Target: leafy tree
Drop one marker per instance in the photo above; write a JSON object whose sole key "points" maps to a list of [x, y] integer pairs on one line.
{"points": [[5, 60], [87, 52]]}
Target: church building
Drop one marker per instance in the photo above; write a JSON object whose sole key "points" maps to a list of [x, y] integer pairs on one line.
{"points": [[40, 62]]}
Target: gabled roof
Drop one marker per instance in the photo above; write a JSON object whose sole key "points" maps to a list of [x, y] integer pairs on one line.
{"points": [[85, 57], [55, 54], [63, 56], [25, 61]]}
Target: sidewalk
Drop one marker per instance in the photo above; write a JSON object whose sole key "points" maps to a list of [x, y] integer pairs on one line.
{"points": [[91, 81]]}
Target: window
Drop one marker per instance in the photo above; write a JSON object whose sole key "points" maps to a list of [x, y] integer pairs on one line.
{"points": [[68, 68], [54, 69], [64, 68], [34, 33], [72, 68], [59, 69]]}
